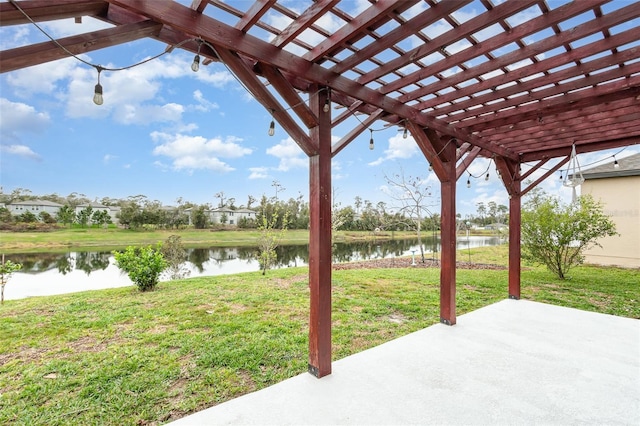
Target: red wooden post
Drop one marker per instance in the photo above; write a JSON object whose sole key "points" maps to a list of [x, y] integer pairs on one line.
{"points": [[448, 235], [510, 172], [320, 241], [515, 224]]}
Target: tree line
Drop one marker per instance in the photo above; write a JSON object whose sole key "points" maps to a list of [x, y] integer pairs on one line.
{"points": [[139, 212]]}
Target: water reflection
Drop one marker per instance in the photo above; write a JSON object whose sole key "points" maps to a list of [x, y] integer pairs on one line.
{"points": [[56, 273]]}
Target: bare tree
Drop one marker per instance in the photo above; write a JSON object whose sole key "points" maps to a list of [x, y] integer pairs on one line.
{"points": [[278, 187], [411, 194], [220, 196], [250, 200]]}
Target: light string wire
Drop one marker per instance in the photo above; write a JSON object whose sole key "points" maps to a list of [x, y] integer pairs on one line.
{"points": [[241, 83], [99, 68]]}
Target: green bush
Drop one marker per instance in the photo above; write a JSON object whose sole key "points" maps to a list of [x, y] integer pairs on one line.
{"points": [[143, 265]]}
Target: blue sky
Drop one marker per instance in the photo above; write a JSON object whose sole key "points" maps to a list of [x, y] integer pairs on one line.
{"points": [[167, 132]]}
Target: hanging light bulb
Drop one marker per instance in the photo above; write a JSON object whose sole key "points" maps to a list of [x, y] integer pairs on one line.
{"points": [[97, 91], [560, 174], [195, 65], [326, 106], [272, 128], [486, 178], [468, 183], [430, 167], [616, 165], [405, 133], [371, 141]]}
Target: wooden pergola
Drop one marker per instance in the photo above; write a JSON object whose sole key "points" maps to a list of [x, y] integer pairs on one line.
{"points": [[517, 81]]}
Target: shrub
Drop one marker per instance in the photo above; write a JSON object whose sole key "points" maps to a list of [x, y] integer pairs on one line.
{"points": [[6, 269], [556, 234], [175, 254], [143, 265]]}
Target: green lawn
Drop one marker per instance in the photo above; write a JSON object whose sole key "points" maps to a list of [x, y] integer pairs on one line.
{"points": [[94, 238], [121, 357]]}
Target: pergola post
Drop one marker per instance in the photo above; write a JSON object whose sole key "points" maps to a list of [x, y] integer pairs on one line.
{"points": [[320, 240], [448, 237], [515, 222], [510, 174]]}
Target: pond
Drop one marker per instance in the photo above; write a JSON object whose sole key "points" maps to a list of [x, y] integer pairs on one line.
{"points": [[49, 273]]}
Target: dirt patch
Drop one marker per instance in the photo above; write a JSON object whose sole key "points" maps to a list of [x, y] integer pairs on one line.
{"points": [[285, 283], [397, 318], [24, 355], [406, 262]]}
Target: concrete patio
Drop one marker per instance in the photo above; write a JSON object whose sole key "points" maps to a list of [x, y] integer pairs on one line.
{"points": [[513, 362]]}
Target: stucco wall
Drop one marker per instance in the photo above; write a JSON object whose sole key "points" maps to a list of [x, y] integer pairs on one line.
{"points": [[621, 199]]}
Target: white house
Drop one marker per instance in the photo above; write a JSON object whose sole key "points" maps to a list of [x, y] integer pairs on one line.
{"points": [[34, 206], [232, 216]]}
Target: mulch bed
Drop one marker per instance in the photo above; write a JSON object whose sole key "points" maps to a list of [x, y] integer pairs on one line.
{"points": [[406, 262]]}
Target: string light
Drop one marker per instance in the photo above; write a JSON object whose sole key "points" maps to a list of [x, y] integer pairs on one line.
{"points": [[430, 167], [486, 178], [326, 107], [371, 140], [469, 181], [195, 65], [97, 92], [405, 133], [272, 125], [616, 165]]}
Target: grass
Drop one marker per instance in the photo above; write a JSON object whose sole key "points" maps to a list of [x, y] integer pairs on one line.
{"points": [[126, 358], [106, 239]]}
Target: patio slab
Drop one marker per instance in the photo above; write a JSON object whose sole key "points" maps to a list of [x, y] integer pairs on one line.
{"points": [[513, 362]]}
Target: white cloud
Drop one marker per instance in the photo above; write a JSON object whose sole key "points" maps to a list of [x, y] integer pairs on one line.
{"points": [[20, 150], [12, 37], [44, 78], [196, 152], [146, 114], [108, 157], [258, 173], [68, 27], [290, 155], [17, 117], [129, 95], [399, 148], [203, 104]]}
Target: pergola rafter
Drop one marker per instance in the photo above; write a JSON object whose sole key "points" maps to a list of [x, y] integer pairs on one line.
{"points": [[516, 81]]}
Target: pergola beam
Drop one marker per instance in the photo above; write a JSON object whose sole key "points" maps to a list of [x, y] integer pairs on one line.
{"points": [[315, 11], [563, 38], [255, 12], [355, 132], [217, 32], [417, 23], [536, 112], [262, 95], [290, 95], [540, 67], [574, 86], [21, 57], [620, 88], [446, 38], [354, 28], [47, 10]]}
